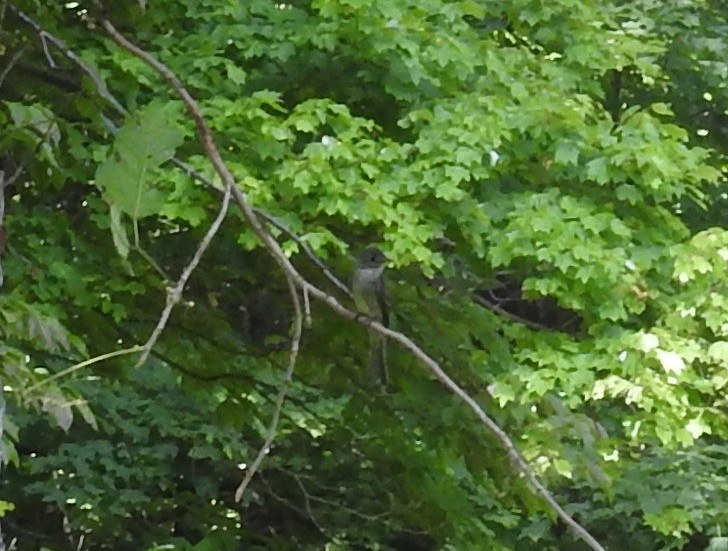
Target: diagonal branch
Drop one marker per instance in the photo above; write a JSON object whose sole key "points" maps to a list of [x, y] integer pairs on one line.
{"points": [[240, 198], [306, 249], [104, 92], [273, 427], [276, 252], [70, 54], [9, 67], [174, 294]]}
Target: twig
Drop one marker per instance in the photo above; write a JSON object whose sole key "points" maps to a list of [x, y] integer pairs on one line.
{"points": [[306, 500], [506, 314], [292, 274], [307, 307], [83, 364], [354, 512], [293, 356], [174, 294], [61, 45], [13, 60], [307, 513], [47, 53], [270, 219], [103, 91], [306, 249]]}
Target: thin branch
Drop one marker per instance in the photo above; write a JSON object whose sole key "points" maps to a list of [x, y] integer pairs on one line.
{"points": [[306, 249], [308, 513], [270, 219], [174, 294], [10, 181], [506, 314], [308, 497], [81, 365], [103, 91], [61, 45], [47, 52], [306, 500], [307, 307], [292, 274], [273, 427], [337, 505], [9, 67]]}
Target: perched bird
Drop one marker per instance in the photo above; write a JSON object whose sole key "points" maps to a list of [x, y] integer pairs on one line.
{"points": [[370, 296]]}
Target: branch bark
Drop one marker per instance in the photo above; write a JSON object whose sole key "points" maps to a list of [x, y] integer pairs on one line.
{"points": [[273, 427], [175, 293], [255, 220], [240, 198]]}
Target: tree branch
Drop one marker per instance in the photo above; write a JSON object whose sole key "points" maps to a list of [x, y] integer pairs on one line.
{"points": [[104, 92], [175, 293], [9, 67], [296, 279], [308, 513], [306, 249], [81, 365], [273, 428], [61, 45]]}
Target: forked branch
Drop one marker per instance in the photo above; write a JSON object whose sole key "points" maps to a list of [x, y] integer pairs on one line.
{"points": [[296, 280]]}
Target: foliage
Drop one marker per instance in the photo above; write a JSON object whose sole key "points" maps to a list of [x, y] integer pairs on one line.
{"points": [[547, 180]]}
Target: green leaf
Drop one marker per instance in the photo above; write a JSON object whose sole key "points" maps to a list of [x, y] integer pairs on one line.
{"points": [[127, 177], [718, 543], [662, 109], [236, 74], [563, 467], [596, 170], [567, 153], [118, 232], [718, 352], [59, 408], [472, 8]]}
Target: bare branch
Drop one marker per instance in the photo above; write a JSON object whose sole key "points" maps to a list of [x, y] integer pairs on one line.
{"points": [[61, 45], [81, 365], [13, 60], [337, 505], [174, 294], [306, 249], [505, 313], [307, 307], [295, 278], [103, 91], [307, 513], [306, 500], [273, 427], [270, 219], [47, 52]]}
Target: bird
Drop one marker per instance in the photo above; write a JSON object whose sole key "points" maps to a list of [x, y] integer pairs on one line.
{"points": [[370, 297]]}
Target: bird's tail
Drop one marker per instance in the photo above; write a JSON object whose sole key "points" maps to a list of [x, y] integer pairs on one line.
{"points": [[378, 357]]}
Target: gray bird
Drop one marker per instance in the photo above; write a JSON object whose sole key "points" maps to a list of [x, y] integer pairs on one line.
{"points": [[370, 296]]}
